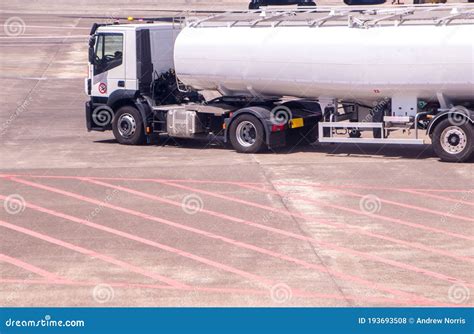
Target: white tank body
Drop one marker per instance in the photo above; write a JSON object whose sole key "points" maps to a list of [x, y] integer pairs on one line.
{"points": [[340, 62]]}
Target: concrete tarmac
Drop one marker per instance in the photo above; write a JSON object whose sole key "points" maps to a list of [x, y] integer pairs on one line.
{"points": [[85, 221]]}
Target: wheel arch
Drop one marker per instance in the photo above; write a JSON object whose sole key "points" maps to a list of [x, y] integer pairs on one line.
{"points": [[462, 114]]}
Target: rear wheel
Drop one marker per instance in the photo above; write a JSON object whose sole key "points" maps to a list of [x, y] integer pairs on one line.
{"points": [[127, 126], [453, 142], [247, 134]]}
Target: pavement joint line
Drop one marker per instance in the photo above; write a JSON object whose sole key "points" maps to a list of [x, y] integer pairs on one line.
{"points": [[280, 256], [85, 251], [354, 228]]}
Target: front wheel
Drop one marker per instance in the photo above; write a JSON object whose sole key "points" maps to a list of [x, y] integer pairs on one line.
{"points": [[127, 126], [246, 134], [453, 143]]}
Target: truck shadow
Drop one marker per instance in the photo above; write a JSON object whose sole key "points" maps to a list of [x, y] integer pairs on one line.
{"points": [[414, 152]]}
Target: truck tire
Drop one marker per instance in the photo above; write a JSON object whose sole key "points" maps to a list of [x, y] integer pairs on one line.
{"points": [[254, 5], [246, 134], [453, 143], [127, 126]]}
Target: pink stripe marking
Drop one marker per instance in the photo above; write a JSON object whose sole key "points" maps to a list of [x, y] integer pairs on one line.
{"points": [[92, 253], [344, 250], [277, 255], [233, 242], [354, 229], [413, 207], [222, 182], [360, 212], [310, 295], [443, 198], [136, 238], [31, 268]]}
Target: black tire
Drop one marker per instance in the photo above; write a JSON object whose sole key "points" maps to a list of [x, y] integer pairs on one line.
{"points": [[246, 134], [307, 4], [253, 5], [453, 142], [127, 126]]}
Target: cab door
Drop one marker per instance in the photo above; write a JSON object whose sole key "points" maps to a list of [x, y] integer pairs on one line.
{"points": [[109, 64]]}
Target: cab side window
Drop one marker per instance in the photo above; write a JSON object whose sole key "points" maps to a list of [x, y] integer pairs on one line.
{"points": [[108, 52]]}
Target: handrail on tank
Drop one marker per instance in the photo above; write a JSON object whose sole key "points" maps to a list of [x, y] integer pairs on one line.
{"points": [[364, 17]]}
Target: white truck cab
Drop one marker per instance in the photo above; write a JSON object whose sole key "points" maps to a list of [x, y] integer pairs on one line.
{"points": [[124, 55]]}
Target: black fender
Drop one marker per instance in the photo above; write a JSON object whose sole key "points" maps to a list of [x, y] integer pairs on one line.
{"points": [[265, 117], [146, 112], [130, 97], [122, 95], [457, 114]]}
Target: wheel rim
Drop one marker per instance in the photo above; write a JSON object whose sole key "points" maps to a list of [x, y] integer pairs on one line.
{"points": [[453, 140], [126, 125], [246, 134]]}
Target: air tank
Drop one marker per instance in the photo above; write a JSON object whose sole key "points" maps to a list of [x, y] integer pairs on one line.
{"points": [[341, 62]]}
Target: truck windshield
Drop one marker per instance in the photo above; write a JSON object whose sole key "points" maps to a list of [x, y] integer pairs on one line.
{"points": [[108, 52]]}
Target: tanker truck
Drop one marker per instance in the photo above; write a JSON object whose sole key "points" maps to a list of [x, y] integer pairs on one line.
{"points": [[385, 75]]}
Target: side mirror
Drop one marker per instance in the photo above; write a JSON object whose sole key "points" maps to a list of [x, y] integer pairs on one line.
{"points": [[364, 2]]}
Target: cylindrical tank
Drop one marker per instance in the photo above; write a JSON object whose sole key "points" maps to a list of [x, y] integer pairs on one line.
{"points": [[333, 61]]}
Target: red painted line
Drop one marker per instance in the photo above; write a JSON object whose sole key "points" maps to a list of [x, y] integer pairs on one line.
{"points": [[361, 281], [344, 250], [225, 182], [136, 238], [277, 255], [360, 212], [89, 252], [356, 186], [412, 207], [354, 229], [219, 290], [296, 236], [243, 245], [443, 198], [31, 268]]}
